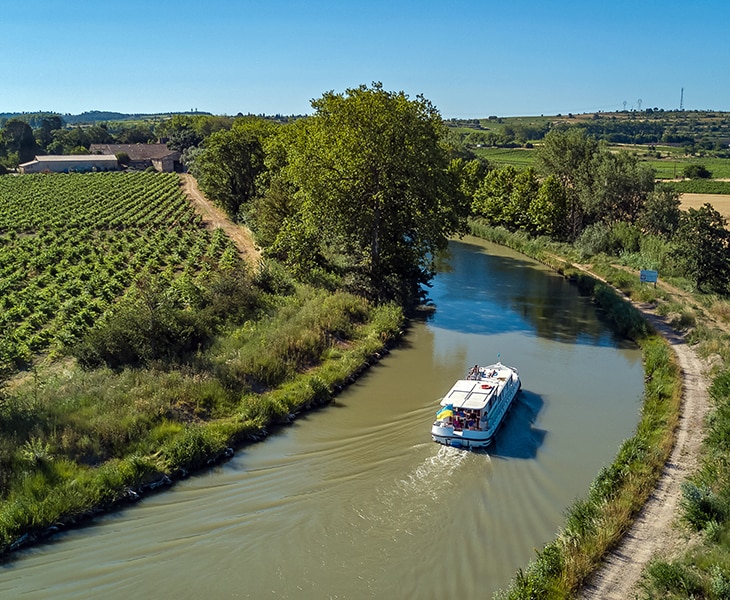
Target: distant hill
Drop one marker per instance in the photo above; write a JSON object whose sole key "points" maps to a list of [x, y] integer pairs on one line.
{"points": [[92, 116]]}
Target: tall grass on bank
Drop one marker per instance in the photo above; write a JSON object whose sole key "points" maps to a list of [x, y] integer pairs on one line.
{"points": [[594, 524], [76, 442]]}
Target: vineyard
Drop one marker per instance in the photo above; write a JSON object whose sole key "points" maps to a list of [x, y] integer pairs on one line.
{"points": [[71, 245]]}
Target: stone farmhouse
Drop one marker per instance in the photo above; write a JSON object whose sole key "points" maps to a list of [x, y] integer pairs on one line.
{"points": [[79, 163], [143, 156]]}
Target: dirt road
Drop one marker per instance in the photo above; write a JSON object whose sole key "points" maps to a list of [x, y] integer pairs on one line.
{"points": [[653, 534], [214, 217]]}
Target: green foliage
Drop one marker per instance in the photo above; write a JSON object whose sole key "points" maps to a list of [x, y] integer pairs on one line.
{"points": [[17, 142], [296, 338], [376, 197], [667, 577], [71, 245], [230, 163], [159, 322], [700, 186], [193, 446], [660, 214], [701, 506], [702, 248], [78, 441], [596, 239], [696, 171]]}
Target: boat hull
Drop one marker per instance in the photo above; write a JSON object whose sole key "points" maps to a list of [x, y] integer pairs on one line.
{"points": [[448, 437]]}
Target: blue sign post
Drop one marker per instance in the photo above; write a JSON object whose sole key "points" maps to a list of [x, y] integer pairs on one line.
{"points": [[649, 276]]}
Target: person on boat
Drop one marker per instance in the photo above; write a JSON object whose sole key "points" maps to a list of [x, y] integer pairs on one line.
{"points": [[473, 372]]}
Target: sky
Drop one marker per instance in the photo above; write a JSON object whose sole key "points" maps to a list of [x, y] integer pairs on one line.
{"points": [[470, 58]]}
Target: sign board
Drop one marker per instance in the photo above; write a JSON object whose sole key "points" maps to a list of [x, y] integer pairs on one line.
{"points": [[649, 276]]}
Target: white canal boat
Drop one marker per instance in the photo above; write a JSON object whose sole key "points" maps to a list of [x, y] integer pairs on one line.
{"points": [[473, 409]]}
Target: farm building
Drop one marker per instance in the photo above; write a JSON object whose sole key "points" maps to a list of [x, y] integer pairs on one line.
{"points": [[142, 156], [79, 163]]}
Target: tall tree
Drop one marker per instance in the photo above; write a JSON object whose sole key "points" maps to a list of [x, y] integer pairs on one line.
{"points": [[702, 248], [568, 154], [547, 211], [18, 138], [230, 162], [373, 178], [661, 212], [618, 189]]}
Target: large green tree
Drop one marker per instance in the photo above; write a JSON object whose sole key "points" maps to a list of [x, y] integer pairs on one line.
{"points": [[230, 162], [375, 191], [618, 189], [702, 248], [568, 155], [18, 141], [661, 212]]}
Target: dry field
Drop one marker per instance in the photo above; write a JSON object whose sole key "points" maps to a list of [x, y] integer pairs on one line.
{"points": [[720, 202]]}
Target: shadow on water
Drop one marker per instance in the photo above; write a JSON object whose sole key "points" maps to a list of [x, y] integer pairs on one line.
{"points": [[518, 437], [489, 292]]}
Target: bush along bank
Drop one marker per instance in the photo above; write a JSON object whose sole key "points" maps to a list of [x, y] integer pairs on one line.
{"points": [[595, 523], [79, 442]]}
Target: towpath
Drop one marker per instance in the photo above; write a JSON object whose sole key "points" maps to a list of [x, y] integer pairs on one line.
{"points": [[214, 217], [653, 534]]}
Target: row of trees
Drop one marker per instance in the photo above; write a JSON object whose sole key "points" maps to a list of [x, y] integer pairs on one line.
{"points": [[364, 192], [605, 201], [21, 139]]}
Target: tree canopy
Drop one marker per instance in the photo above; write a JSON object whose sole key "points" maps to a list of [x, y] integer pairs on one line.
{"points": [[230, 162], [702, 248], [375, 195]]}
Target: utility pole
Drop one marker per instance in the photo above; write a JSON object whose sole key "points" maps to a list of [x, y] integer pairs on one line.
{"points": [[681, 101]]}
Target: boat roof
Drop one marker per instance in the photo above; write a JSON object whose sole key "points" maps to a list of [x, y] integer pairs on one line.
{"points": [[470, 394], [475, 391]]}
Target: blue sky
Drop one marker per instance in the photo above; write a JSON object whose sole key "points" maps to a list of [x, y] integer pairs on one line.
{"points": [[470, 58]]}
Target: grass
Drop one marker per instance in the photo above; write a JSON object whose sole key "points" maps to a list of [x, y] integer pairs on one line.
{"points": [[76, 442]]}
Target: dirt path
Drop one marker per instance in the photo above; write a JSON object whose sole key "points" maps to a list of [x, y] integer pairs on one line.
{"points": [[652, 534], [213, 217]]}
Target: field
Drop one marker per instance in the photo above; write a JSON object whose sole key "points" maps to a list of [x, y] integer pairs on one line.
{"points": [[721, 203], [520, 158], [71, 245]]}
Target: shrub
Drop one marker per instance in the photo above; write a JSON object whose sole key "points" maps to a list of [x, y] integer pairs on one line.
{"points": [[701, 506], [596, 239], [696, 171]]}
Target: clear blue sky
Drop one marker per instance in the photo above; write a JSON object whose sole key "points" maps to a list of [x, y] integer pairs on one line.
{"points": [[471, 58]]}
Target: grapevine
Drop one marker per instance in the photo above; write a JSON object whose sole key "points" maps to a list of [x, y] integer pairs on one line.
{"points": [[72, 245]]}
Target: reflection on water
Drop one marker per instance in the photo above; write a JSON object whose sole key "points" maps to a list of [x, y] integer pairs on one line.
{"points": [[489, 292], [355, 500]]}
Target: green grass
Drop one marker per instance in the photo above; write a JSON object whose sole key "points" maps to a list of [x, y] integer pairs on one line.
{"points": [[75, 441], [520, 158]]}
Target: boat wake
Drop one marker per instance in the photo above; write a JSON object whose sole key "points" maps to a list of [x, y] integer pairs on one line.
{"points": [[435, 473], [405, 504]]}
